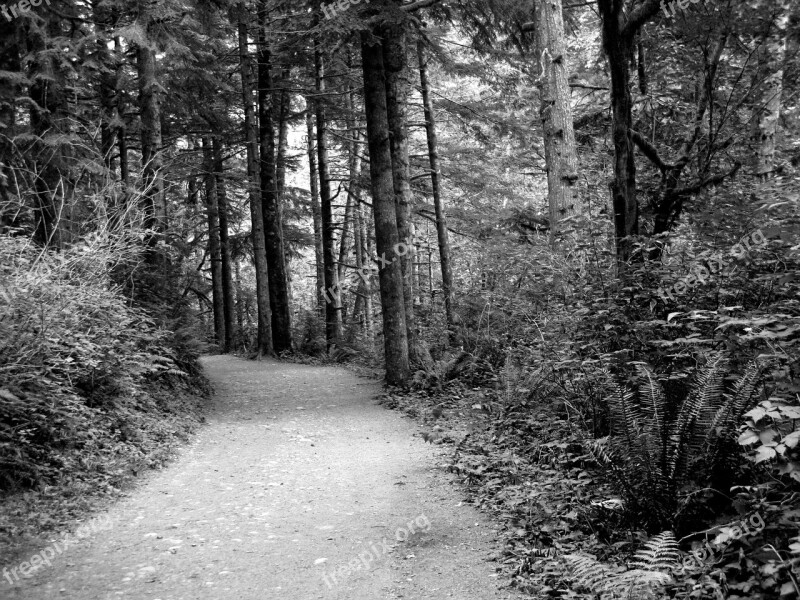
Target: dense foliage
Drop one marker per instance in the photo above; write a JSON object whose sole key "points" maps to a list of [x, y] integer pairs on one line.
{"points": [[612, 351]]}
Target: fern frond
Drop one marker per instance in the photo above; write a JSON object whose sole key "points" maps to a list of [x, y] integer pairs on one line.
{"points": [[729, 415], [638, 584], [626, 418], [744, 395], [706, 394], [659, 553], [652, 396], [588, 572]]}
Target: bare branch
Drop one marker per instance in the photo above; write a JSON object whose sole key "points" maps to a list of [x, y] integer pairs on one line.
{"points": [[650, 151]]}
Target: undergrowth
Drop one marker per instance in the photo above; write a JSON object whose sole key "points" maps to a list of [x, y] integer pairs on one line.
{"points": [[93, 389]]}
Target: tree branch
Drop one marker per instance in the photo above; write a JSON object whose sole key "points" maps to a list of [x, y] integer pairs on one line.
{"points": [[650, 151], [715, 180], [639, 16], [415, 6]]}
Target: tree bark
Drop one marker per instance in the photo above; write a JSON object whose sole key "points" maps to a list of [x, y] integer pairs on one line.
{"points": [[122, 140], [333, 322], [556, 113], [273, 229], [108, 83], [390, 275], [623, 187], [284, 104], [316, 213], [48, 115], [214, 248], [771, 57], [363, 252], [264, 340], [228, 290], [619, 29], [438, 204], [396, 67], [150, 125]]}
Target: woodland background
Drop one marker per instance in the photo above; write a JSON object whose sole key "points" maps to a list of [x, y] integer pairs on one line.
{"points": [[579, 314]]}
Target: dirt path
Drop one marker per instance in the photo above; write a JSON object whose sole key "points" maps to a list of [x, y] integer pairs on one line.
{"points": [[300, 487]]}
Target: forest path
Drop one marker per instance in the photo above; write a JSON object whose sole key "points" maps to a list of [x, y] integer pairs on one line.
{"points": [[297, 464]]}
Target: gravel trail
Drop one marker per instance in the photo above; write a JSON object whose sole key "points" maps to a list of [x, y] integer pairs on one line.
{"points": [[300, 487]]}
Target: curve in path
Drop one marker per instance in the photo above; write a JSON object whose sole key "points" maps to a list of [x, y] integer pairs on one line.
{"points": [[300, 487]]}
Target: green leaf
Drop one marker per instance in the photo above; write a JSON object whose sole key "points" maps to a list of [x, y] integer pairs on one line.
{"points": [[765, 453], [748, 437]]}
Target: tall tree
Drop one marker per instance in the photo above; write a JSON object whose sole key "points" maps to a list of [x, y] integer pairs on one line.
{"points": [[49, 117], [333, 315], [561, 156], [108, 82], [228, 290], [390, 275], [316, 213], [273, 228], [771, 56], [264, 340], [438, 203], [214, 249], [621, 21], [150, 120], [396, 66]]}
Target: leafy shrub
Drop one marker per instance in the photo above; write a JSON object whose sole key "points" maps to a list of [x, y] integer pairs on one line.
{"points": [[81, 368]]}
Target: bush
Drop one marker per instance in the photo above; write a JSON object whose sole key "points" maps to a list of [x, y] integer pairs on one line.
{"points": [[81, 368]]}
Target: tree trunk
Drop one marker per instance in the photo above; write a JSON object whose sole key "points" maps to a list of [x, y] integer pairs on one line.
{"points": [[441, 218], [228, 290], [390, 274], [771, 58], [623, 188], [316, 213], [284, 104], [619, 29], [124, 168], [108, 82], [214, 249], [344, 237], [264, 341], [333, 322], [48, 115], [354, 173], [364, 251], [273, 229], [395, 65], [556, 113], [240, 307], [150, 125]]}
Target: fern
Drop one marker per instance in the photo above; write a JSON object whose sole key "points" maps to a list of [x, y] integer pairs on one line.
{"points": [[659, 553], [589, 573], [649, 574], [653, 452]]}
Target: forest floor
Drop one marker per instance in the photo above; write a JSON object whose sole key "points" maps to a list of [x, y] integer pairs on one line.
{"points": [[300, 487]]}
